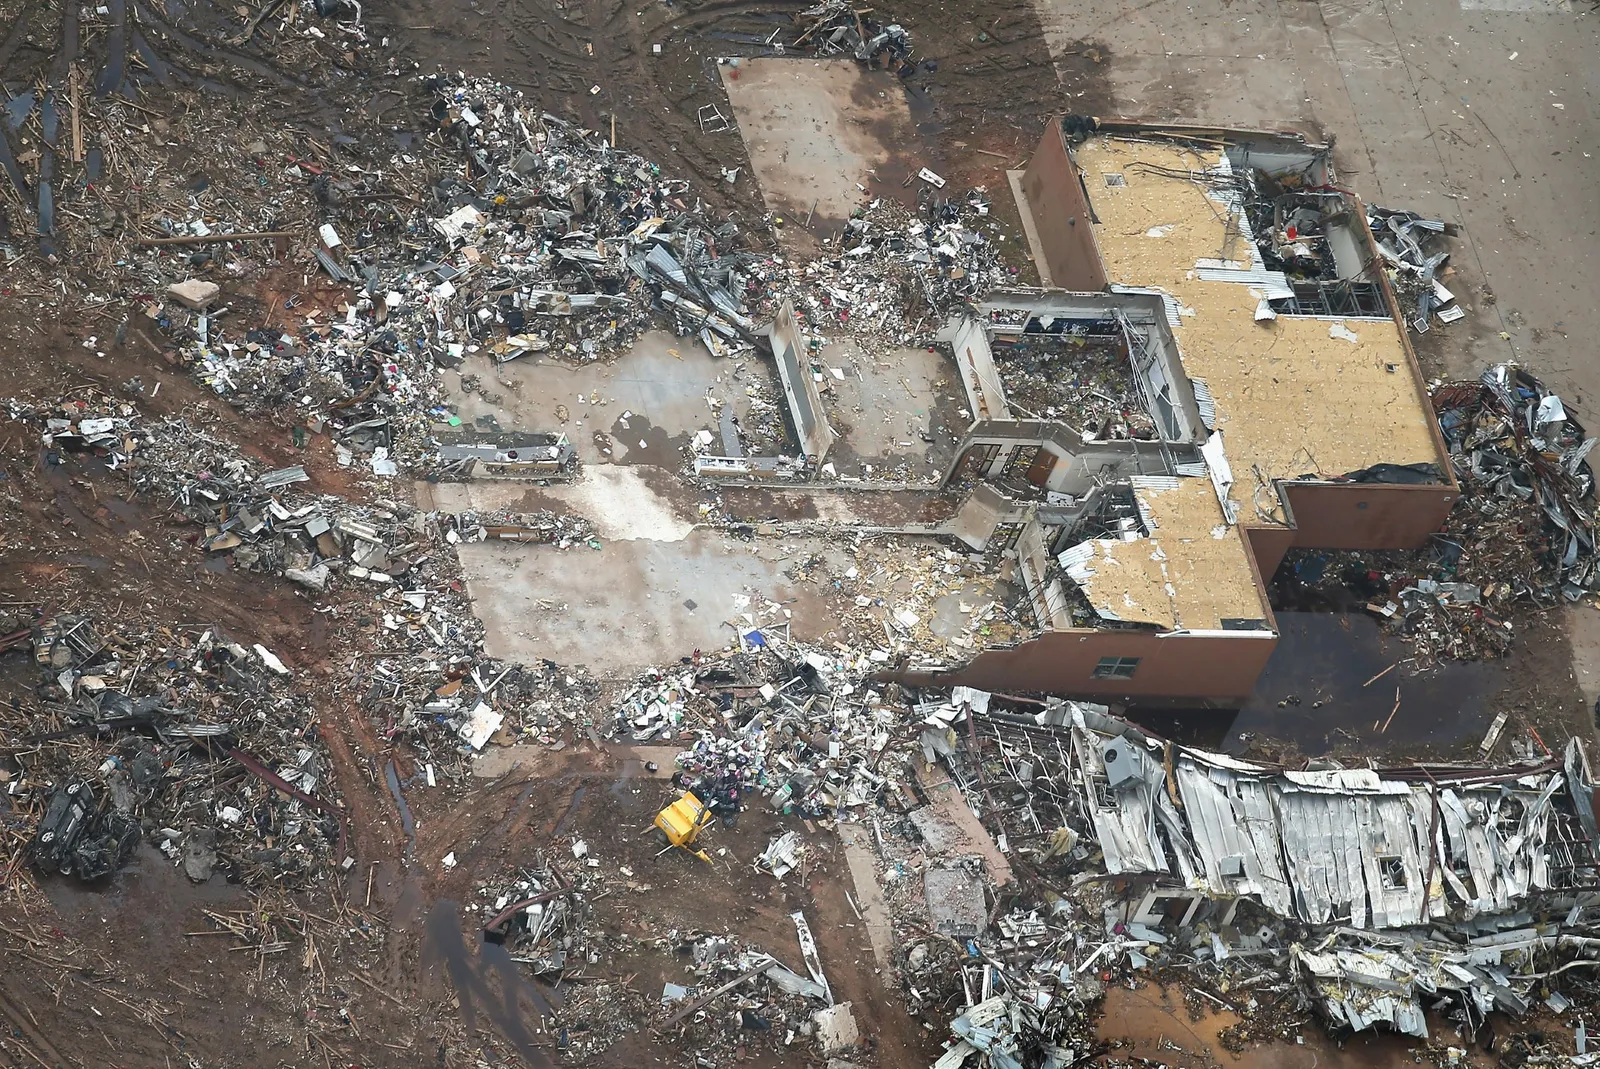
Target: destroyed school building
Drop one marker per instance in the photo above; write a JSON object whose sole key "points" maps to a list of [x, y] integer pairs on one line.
{"points": [[1390, 891], [1216, 371]]}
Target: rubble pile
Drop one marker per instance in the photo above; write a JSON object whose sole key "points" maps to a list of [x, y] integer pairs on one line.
{"points": [[426, 679], [1018, 1027], [1082, 380], [181, 738], [577, 240], [562, 530], [392, 566], [774, 719], [896, 274], [1520, 537], [441, 695], [1522, 533], [735, 994], [258, 519], [1362, 979], [729, 994], [836, 27], [1368, 896], [536, 914], [539, 237], [1526, 523], [541, 921], [1414, 255]]}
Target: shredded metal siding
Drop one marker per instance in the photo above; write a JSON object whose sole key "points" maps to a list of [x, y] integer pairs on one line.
{"points": [[1328, 847], [1206, 403]]}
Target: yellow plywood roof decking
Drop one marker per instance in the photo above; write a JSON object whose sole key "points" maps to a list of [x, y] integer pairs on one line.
{"points": [[1192, 572], [1295, 396]]}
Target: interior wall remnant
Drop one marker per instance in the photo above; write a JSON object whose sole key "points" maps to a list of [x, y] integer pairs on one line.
{"points": [[799, 389], [1215, 668], [1349, 249], [969, 348], [1079, 466], [1056, 199], [1011, 315]]}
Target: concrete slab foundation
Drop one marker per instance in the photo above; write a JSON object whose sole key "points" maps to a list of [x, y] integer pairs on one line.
{"points": [[898, 413], [630, 604], [641, 408], [819, 133]]}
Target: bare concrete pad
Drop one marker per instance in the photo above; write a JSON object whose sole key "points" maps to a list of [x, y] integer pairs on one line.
{"points": [[1583, 625], [837, 1031], [539, 759], [622, 502], [630, 604], [953, 811], [817, 131], [955, 902], [644, 406], [887, 406]]}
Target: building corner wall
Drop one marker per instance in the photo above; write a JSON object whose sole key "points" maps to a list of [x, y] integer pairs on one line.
{"points": [[1211, 669]]}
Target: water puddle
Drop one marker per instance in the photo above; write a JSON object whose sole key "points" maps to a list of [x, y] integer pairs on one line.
{"points": [[149, 895], [572, 811], [18, 108], [406, 821], [1156, 1028], [486, 979]]}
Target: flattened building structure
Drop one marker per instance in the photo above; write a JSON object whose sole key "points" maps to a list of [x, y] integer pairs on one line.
{"points": [[1226, 379], [1366, 848]]}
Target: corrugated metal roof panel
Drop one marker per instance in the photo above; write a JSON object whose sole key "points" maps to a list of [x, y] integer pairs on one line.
{"points": [[1274, 284], [1207, 403], [1169, 303]]}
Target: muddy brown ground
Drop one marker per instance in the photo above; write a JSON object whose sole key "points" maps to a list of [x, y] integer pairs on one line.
{"points": [[134, 972], [991, 86]]}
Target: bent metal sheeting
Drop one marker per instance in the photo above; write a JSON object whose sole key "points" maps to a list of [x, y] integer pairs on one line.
{"points": [[1367, 848]]}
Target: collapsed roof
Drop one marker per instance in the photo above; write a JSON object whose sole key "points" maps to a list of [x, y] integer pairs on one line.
{"points": [[1366, 848]]}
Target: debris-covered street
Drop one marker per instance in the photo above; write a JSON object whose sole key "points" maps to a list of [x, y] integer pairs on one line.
{"points": [[794, 534]]}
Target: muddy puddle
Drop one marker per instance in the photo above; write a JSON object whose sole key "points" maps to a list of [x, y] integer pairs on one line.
{"points": [[408, 823], [1150, 1026], [643, 443], [487, 980], [148, 895], [1319, 694]]}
